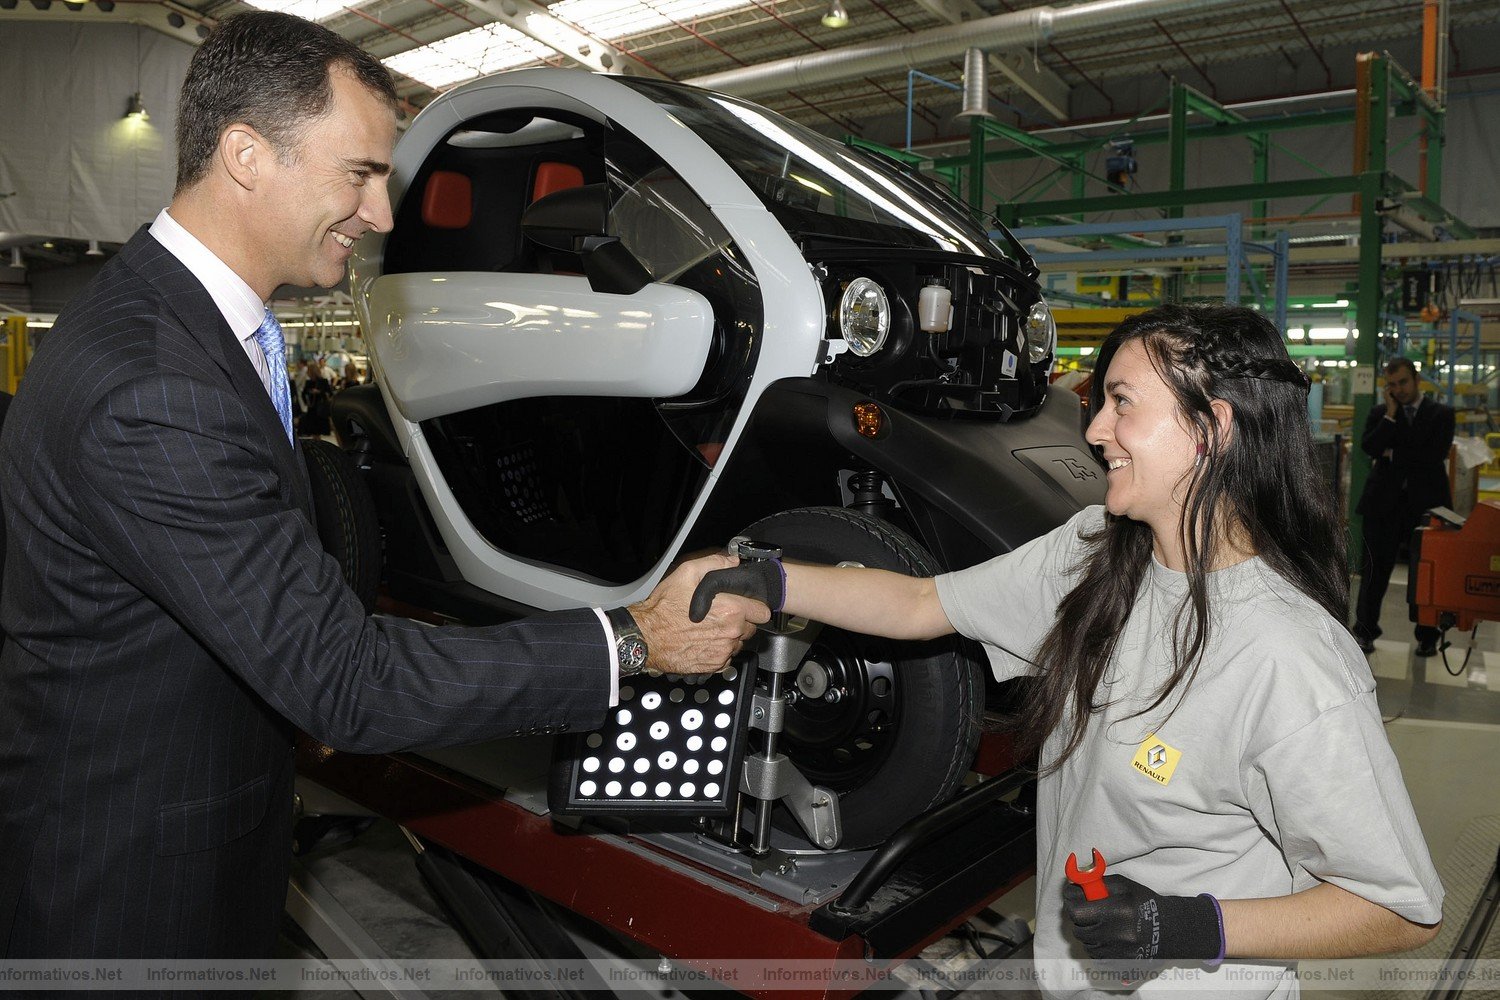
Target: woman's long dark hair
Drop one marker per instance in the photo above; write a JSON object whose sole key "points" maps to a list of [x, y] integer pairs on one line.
{"points": [[1259, 484]]}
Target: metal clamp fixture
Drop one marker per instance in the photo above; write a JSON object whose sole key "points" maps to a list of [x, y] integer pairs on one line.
{"points": [[769, 776]]}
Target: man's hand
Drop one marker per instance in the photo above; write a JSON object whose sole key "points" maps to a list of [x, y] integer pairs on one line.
{"points": [[1136, 923], [1391, 406], [680, 646]]}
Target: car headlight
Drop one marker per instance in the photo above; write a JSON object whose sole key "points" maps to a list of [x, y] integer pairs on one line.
{"points": [[864, 316], [1041, 331]]}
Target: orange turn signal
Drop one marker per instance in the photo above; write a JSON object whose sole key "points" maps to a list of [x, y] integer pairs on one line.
{"points": [[869, 421]]}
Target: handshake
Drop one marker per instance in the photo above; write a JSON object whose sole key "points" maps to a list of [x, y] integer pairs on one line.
{"points": [[700, 615]]}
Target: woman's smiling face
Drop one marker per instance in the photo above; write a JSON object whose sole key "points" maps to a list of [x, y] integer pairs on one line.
{"points": [[1147, 445]]}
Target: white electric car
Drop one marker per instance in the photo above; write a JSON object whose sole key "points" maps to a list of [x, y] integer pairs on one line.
{"points": [[618, 321]]}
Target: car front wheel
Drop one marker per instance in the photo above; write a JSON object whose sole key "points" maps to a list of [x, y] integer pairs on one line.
{"points": [[890, 725]]}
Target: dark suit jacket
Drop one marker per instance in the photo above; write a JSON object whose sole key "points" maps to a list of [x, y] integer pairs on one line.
{"points": [[173, 617], [4, 407], [1415, 476]]}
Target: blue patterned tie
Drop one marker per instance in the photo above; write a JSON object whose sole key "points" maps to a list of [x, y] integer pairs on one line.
{"points": [[273, 346]]}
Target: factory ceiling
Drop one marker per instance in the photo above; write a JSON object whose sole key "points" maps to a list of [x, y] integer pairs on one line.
{"points": [[1064, 64]]}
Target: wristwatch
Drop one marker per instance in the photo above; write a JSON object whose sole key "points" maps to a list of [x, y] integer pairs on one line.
{"points": [[630, 645]]}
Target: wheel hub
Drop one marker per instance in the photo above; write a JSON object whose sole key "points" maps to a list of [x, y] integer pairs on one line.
{"points": [[841, 725]]}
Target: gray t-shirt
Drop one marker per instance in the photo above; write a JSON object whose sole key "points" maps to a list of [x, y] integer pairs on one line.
{"points": [[1272, 772]]}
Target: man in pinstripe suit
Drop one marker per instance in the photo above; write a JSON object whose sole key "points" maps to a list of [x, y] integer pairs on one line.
{"points": [[172, 615], [5, 398]]}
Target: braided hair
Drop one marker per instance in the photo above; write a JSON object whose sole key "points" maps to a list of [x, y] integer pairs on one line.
{"points": [[1259, 484]]}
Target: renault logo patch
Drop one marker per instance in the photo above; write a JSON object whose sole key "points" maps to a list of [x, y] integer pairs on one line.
{"points": [[1156, 760]]}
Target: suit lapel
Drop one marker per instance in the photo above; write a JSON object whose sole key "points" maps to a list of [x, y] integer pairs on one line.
{"points": [[187, 297]]}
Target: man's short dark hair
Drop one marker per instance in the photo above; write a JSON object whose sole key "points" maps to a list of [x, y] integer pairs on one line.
{"points": [[1396, 364], [270, 71]]}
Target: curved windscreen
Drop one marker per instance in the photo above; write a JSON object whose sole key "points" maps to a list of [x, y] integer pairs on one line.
{"points": [[818, 186]]}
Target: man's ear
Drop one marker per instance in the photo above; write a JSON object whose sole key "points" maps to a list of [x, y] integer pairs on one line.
{"points": [[1223, 421], [244, 155]]}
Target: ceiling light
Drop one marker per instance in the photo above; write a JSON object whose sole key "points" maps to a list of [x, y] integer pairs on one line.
{"points": [[312, 10], [136, 108], [93, 250], [836, 16]]}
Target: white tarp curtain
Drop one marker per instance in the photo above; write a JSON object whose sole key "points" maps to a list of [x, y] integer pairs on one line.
{"points": [[78, 168]]}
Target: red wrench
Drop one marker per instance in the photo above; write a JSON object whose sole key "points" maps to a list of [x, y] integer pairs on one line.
{"points": [[1090, 879]]}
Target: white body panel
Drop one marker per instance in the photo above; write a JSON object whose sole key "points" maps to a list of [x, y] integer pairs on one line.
{"points": [[791, 344], [453, 342]]}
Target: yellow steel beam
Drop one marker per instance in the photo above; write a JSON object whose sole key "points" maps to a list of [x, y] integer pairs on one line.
{"points": [[17, 352], [1085, 326]]}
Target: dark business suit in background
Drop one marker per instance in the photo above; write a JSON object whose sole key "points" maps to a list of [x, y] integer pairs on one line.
{"points": [[1408, 476], [172, 617]]}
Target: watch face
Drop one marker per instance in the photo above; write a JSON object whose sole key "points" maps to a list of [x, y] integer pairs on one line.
{"points": [[632, 650]]}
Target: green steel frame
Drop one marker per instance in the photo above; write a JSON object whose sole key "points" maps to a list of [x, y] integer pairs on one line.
{"points": [[1383, 90]]}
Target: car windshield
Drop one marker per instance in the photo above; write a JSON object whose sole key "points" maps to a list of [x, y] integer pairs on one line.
{"points": [[817, 186]]}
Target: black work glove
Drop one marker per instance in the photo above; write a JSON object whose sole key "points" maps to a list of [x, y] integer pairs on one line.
{"points": [[760, 579], [1137, 923]]}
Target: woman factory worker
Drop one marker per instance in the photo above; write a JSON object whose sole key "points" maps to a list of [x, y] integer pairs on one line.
{"points": [[1204, 718]]}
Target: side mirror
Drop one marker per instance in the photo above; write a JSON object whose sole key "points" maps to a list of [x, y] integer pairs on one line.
{"points": [[574, 221]]}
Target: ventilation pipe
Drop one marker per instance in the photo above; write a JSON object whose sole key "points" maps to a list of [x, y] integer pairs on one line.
{"points": [[1004, 31], [976, 85]]}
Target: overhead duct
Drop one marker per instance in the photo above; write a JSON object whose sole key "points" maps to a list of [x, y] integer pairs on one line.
{"points": [[976, 85], [1003, 31]]}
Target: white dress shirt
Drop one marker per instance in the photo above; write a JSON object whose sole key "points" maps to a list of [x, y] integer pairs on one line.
{"points": [[242, 308]]}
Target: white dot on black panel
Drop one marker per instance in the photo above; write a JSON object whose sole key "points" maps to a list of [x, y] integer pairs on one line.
{"points": [[623, 716], [667, 760], [638, 788], [659, 730], [650, 700], [711, 790], [722, 720], [719, 744], [616, 765], [625, 741], [591, 764], [595, 741], [715, 767], [726, 696], [692, 719], [687, 790], [690, 767], [676, 696], [700, 696], [663, 789], [695, 743], [612, 789], [587, 788], [642, 765], [627, 693], [731, 672]]}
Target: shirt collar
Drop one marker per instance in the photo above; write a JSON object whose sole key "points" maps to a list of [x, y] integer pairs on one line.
{"points": [[241, 307]]}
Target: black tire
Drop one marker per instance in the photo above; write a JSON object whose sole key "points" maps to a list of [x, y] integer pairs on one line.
{"points": [[902, 736], [346, 520]]}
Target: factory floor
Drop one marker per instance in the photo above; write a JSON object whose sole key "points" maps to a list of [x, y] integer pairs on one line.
{"points": [[1443, 723]]}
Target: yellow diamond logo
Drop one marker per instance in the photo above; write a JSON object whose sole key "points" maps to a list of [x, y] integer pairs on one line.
{"points": [[1156, 759]]}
